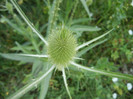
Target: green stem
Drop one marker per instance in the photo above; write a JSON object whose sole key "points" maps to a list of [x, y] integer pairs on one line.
{"points": [[74, 9], [53, 15]]}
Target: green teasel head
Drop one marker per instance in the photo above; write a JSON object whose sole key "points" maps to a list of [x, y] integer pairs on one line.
{"points": [[61, 47]]}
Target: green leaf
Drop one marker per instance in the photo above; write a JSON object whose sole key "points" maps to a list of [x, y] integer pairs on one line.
{"points": [[18, 29], [65, 82], [27, 47], [35, 45], [16, 48], [22, 48], [9, 7], [28, 21], [83, 51], [18, 57], [32, 84], [93, 40], [104, 64], [75, 21], [37, 67], [86, 7], [44, 26], [84, 28], [45, 82], [102, 72]]}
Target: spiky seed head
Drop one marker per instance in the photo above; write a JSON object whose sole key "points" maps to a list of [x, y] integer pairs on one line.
{"points": [[61, 47]]}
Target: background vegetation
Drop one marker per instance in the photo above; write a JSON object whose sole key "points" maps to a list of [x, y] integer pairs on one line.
{"points": [[113, 55]]}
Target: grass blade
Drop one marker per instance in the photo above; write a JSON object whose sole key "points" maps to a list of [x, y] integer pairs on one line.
{"points": [[112, 74]]}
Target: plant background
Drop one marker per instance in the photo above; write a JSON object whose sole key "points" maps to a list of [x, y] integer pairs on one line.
{"points": [[113, 55]]}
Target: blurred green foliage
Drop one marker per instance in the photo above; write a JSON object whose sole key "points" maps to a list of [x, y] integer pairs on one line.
{"points": [[113, 55]]}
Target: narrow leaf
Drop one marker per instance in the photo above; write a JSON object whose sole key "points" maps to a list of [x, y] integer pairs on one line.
{"points": [[32, 55], [81, 20], [93, 40], [37, 67], [22, 48], [18, 57], [86, 7], [84, 28], [112, 74], [19, 30], [65, 82], [45, 82], [28, 21], [31, 85], [83, 51]]}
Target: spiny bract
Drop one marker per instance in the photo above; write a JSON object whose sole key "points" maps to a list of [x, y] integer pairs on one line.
{"points": [[61, 47]]}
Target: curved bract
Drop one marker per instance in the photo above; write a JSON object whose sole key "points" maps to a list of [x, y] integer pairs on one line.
{"points": [[62, 47]]}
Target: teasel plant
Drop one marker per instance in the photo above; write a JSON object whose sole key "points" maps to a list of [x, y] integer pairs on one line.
{"points": [[61, 51]]}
